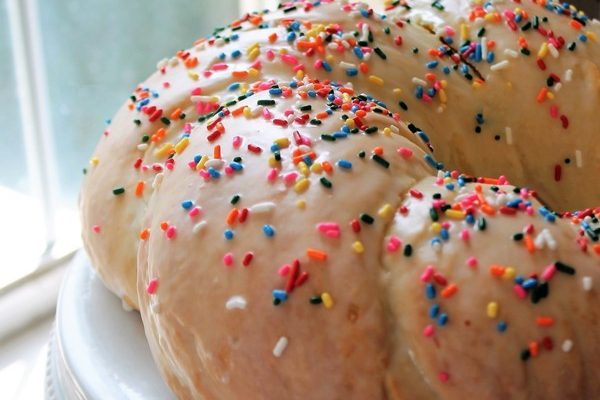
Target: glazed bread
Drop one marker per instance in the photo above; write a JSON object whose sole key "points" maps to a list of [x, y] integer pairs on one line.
{"points": [[317, 254], [489, 88]]}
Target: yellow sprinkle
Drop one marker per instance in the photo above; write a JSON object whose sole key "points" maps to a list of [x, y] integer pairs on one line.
{"points": [[94, 161], [455, 214], [543, 52], [201, 163], [509, 273], [444, 83], [253, 72], [464, 32], [243, 87], [282, 142], [330, 58], [283, 50], [301, 204], [592, 36], [443, 96], [316, 168], [386, 211], [327, 300], [550, 95], [397, 91], [301, 185], [492, 309], [163, 150], [247, 112], [358, 247], [300, 74], [376, 80], [253, 47], [350, 123], [435, 227], [476, 85], [489, 17], [253, 54], [272, 161], [303, 168], [346, 98], [181, 145], [387, 131], [193, 76]]}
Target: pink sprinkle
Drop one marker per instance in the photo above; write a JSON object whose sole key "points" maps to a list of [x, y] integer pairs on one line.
{"points": [[270, 55], [284, 269], [465, 235], [428, 331], [472, 262], [326, 226], [191, 165], [96, 228], [272, 175], [554, 111], [237, 142], [519, 291], [502, 180], [529, 210], [393, 244], [229, 170], [439, 181], [196, 91], [204, 173], [266, 113], [427, 274], [194, 212], [443, 376], [219, 67], [171, 232], [290, 178], [318, 64], [450, 31], [247, 258], [152, 286], [289, 59], [187, 127], [446, 225], [228, 259], [549, 272]]}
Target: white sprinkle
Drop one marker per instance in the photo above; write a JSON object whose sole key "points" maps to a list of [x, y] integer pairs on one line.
{"points": [[578, 159], [199, 227], [205, 99], [511, 53], [500, 65], [509, 135], [347, 65], [280, 346], [567, 345], [219, 42], [557, 87], [587, 283], [174, 61], [215, 163], [236, 302], [394, 129], [260, 208], [154, 305], [553, 50], [569, 75], [332, 46], [162, 63], [418, 81], [142, 146], [158, 178], [484, 49]]}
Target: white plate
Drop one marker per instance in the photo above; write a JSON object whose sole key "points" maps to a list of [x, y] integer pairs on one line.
{"points": [[98, 350]]}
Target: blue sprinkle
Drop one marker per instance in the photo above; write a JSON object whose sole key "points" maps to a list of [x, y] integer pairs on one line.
{"points": [[344, 164], [364, 13], [514, 203], [275, 91], [235, 37], [529, 283], [236, 54], [429, 160], [478, 55], [307, 160], [187, 204], [197, 158], [419, 92], [431, 92], [291, 37], [491, 57], [444, 234], [501, 326], [434, 310], [268, 230], [479, 118], [326, 66], [446, 70], [358, 52], [436, 241], [340, 135], [295, 25], [583, 38], [233, 86], [519, 279], [222, 56], [274, 148], [470, 219], [432, 64], [430, 291], [236, 166], [450, 186], [312, 93], [352, 72], [214, 173], [443, 319], [228, 234], [448, 40], [280, 294]]}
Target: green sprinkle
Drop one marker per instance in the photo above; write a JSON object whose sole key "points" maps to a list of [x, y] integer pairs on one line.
{"points": [[362, 154], [327, 137], [517, 236], [315, 300], [266, 102], [371, 129], [380, 53], [137, 122], [367, 219], [481, 224], [235, 199], [380, 160], [118, 191], [433, 214], [306, 107], [326, 182], [408, 250], [165, 121]]}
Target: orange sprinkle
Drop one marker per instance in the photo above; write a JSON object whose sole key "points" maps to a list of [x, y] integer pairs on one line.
{"points": [[144, 234], [239, 74], [430, 77], [139, 188], [191, 62], [529, 243], [322, 115], [544, 321], [534, 348], [596, 248], [487, 209], [360, 113], [449, 290], [272, 37], [364, 67], [255, 20], [217, 152], [315, 254], [497, 270], [378, 150], [232, 216], [542, 95], [238, 111], [164, 225], [327, 167], [575, 24], [175, 114]]}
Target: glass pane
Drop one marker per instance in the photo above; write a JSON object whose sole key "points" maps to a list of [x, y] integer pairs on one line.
{"points": [[97, 51]]}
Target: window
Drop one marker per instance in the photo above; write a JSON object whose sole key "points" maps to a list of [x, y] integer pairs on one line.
{"points": [[66, 67]]}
